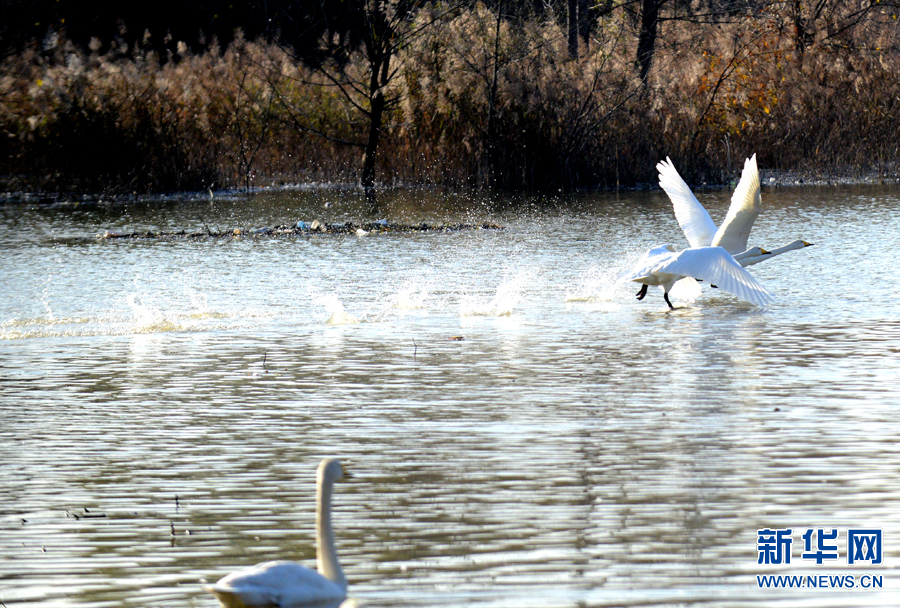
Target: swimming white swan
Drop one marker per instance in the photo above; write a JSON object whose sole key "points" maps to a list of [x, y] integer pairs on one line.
{"points": [[733, 234], [282, 583], [664, 266]]}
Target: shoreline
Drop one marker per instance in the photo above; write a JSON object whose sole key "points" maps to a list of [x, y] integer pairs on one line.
{"points": [[768, 179]]}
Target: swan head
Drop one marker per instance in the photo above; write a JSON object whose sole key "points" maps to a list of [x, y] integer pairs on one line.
{"points": [[331, 470], [798, 244], [752, 253]]}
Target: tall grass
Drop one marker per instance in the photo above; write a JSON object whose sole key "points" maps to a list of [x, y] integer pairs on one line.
{"points": [[481, 103]]}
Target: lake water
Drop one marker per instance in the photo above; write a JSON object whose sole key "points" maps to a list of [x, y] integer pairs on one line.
{"points": [[521, 430]]}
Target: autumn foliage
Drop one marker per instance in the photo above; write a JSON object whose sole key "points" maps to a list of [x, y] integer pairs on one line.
{"points": [[477, 98]]}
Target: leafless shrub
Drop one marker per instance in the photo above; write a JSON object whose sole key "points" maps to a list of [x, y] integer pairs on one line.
{"points": [[482, 99]]}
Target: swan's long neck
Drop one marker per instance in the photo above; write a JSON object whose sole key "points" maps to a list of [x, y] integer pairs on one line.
{"points": [[798, 244], [749, 260], [326, 553]]}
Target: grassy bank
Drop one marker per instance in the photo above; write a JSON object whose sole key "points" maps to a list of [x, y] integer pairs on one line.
{"points": [[477, 101]]}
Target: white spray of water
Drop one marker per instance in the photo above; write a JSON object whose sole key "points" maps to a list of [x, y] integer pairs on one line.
{"points": [[147, 316], [508, 294], [199, 302], [411, 296], [157, 313], [335, 310], [594, 285]]}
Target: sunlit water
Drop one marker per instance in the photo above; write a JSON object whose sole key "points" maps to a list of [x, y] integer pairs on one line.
{"points": [[522, 431]]}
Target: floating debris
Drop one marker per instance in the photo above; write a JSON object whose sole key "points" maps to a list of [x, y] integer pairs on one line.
{"points": [[301, 228], [85, 515]]}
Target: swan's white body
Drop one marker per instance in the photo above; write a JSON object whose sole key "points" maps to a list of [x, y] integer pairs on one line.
{"points": [[664, 266], [282, 583], [733, 234]]}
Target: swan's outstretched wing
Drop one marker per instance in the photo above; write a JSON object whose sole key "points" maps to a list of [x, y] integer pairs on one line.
{"points": [[746, 203], [687, 289], [718, 267], [694, 220], [647, 263]]}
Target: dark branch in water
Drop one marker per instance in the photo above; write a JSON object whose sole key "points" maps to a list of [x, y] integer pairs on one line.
{"points": [[208, 231]]}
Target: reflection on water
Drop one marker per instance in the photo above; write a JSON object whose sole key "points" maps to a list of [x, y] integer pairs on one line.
{"points": [[523, 432]]}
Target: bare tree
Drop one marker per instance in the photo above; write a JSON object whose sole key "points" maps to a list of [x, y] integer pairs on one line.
{"points": [[647, 37], [356, 56], [250, 111]]}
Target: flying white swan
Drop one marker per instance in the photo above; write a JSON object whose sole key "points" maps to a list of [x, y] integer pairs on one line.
{"points": [[282, 583], [698, 227], [755, 255], [733, 234], [664, 266], [692, 290], [752, 256]]}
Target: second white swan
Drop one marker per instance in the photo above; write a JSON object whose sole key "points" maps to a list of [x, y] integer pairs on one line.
{"points": [[733, 234], [283, 583], [755, 255]]}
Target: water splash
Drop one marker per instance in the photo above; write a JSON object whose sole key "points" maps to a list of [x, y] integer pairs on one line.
{"points": [[335, 309], [411, 297], [509, 292], [595, 285], [144, 314], [148, 317], [49, 327], [199, 301]]}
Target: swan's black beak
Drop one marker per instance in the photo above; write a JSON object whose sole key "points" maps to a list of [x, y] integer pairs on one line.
{"points": [[805, 244], [763, 251]]}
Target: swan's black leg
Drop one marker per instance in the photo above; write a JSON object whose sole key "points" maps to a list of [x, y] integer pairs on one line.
{"points": [[642, 292], [666, 296]]}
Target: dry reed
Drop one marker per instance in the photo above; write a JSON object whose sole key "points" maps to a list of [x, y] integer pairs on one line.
{"points": [[479, 105]]}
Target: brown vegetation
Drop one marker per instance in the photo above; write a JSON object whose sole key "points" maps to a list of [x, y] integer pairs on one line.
{"points": [[471, 98]]}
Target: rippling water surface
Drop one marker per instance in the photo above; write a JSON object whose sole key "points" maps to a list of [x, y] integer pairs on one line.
{"points": [[522, 431]]}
